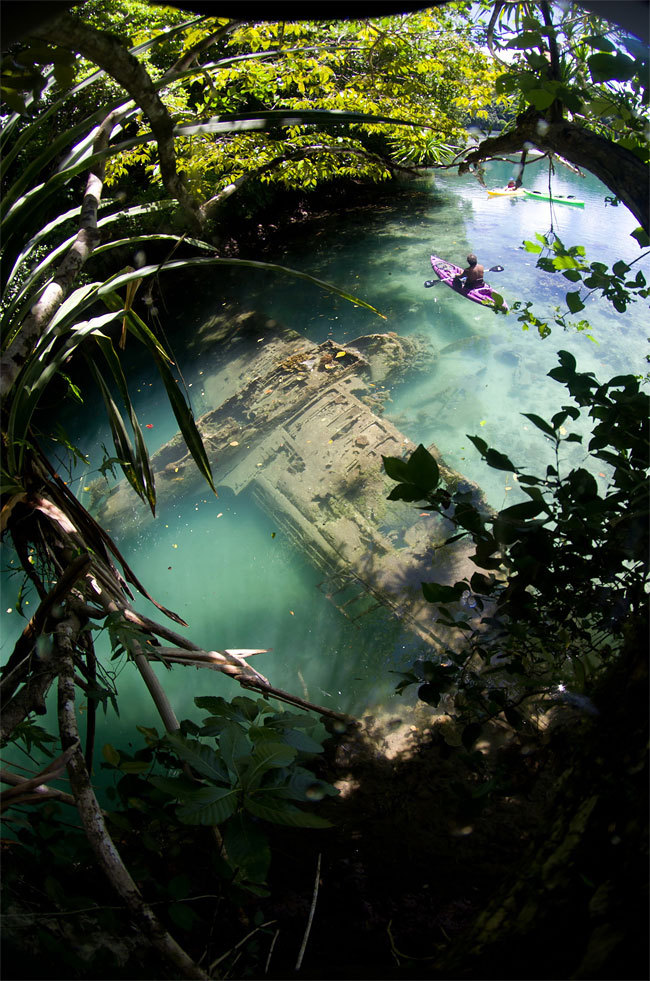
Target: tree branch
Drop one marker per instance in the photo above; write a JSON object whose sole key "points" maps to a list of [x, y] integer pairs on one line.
{"points": [[106, 51], [93, 821], [619, 169], [66, 274]]}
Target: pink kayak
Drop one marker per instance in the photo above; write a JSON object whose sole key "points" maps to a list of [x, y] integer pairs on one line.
{"points": [[447, 270]]}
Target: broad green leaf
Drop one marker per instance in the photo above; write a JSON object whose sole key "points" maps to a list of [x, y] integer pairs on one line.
{"points": [[265, 756], [641, 237], [422, 469], [440, 593], [235, 748], [395, 468], [499, 461], [177, 787], [208, 806], [303, 742], [574, 302], [609, 68], [599, 42], [201, 758], [540, 98], [524, 510], [247, 847], [286, 814], [135, 766], [406, 492], [479, 443]]}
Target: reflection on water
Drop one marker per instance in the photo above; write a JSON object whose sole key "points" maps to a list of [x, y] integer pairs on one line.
{"points": [[222, 564]]}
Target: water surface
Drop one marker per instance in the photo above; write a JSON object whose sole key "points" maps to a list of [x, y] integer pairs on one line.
{"points": [[221, 564]]}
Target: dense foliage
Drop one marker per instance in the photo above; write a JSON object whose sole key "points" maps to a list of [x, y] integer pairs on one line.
{"points": [[562, 577]]}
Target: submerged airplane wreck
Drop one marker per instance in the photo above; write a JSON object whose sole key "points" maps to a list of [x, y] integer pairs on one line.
{"points": [[299, 425]]}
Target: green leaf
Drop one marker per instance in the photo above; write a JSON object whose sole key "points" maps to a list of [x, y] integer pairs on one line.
{"points": [[286, 814], [609, 68], [599, 42], [422, 469], [574, 302], [110, 754], [540, 423], [135, 766], [499, 461], [435, 592], [406, 492], [540, 98], [208, 805], [234, 747], [641, 237], [479, 443], [182, 915], [303, 742], [177, 787], [395, 468], [524, 510], [247, 847], [200, 757]]}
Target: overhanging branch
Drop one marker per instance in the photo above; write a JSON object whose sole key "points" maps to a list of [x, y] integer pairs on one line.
{"points": [[618, 168]]}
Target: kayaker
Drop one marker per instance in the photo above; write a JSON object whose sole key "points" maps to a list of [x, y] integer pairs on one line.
{"points": [[473, 275]]}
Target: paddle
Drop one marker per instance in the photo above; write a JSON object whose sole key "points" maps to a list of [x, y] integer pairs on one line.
{"points": [[433, 282]]}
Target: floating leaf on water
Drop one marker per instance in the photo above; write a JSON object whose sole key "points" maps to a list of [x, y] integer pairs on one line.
{"points": [[149, 425], [292, 613], [220, 515], [483, 421], [174, 546], [234, 443], [341, 354]]}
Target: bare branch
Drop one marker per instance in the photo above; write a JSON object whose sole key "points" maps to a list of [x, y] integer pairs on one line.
{"points": [[92, 819]]}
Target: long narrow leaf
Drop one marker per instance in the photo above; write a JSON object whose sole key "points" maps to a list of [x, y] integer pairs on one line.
{"points": [[137, 209], [121, 278], [128, 459], [55, 254], [240, 122], [36, 375], [185, 419], [142, 454]]}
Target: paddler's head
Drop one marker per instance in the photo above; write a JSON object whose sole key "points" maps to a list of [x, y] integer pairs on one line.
{"points": [[471, 259]]}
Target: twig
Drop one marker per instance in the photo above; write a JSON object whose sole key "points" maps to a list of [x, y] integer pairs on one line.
{"points": [[310, 917], [100, 841], [239, 944], [268, 959]]}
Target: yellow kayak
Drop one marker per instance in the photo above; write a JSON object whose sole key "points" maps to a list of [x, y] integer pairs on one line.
{"points": [[506, 192]]}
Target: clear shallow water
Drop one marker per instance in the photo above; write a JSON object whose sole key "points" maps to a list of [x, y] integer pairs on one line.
{"points": [[234, 577]]}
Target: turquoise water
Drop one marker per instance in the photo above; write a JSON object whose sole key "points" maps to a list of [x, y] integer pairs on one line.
{"points": [[221, 564]]}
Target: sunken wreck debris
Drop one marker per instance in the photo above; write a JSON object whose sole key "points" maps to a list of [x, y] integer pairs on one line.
{"points": [[298, 425]]}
